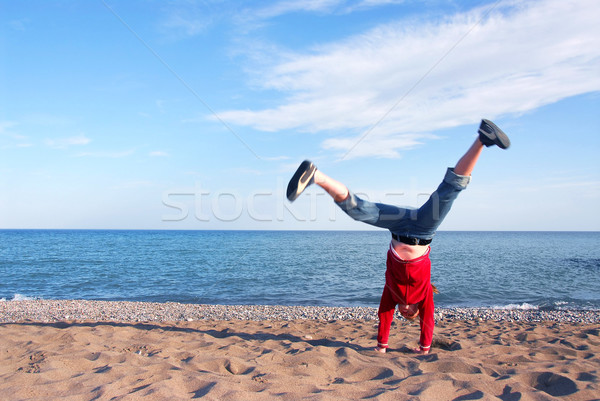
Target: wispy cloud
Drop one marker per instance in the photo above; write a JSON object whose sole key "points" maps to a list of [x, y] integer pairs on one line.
{"points": [[188, 19], [19, 24], [522, 56], [386, 146], [11, 139], [184, 24], [289, 6], [584, 186], [5, 126], [279, 8], [106, 154], [252, 18], [63, 143]]}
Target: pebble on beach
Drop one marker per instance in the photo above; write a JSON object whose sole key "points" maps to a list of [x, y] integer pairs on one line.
{"points": [[61, 310]]}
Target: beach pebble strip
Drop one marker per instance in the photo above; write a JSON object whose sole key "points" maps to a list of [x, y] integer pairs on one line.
{"points": [[71, 310]]}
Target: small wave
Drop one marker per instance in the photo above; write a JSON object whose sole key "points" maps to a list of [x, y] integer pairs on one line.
{"points": [[523, 306], [18, 297], [581, 305]]}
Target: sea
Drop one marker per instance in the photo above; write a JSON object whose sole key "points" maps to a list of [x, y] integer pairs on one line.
{"points": [[504, 270]]}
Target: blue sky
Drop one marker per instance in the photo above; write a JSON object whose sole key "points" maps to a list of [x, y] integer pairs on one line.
{"points": [[194, 114]]}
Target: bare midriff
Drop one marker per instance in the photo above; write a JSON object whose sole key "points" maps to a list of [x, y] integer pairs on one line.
{"points": [[409, 252]]}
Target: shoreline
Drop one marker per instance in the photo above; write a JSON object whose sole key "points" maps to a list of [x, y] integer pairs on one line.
{"points": [[130, 311]]}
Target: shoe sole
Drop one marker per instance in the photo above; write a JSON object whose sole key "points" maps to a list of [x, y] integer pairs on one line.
{"points": [[300, 180], [500, 139]]}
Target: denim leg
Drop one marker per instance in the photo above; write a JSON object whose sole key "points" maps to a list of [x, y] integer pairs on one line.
{"points": [[431, 214], [376, 214], [411, 222]]}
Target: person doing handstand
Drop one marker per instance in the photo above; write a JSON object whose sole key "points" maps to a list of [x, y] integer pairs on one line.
{"points": [[408, 272]]}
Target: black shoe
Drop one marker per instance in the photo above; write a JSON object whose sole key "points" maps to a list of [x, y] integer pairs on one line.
{"points": [[302, 178], [490, 134]]}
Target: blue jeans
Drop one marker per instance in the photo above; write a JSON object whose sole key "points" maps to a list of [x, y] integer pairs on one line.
{"points": [[419, 222]]}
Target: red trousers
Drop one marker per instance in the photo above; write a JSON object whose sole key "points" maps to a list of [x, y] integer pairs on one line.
{"points": [[407, 282]]}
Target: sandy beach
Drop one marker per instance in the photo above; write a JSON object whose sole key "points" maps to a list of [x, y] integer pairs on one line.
{"points": [[88, 350]]}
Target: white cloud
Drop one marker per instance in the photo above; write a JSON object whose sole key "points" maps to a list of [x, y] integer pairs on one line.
{"points": [[377, 145], [7, 131], [183, 20], [317, 6], [6, 125], [185, 25], [290, 6], [9, 138], [249, 19], [365, 4], [107, 155], [401, 81], [63, 143]]}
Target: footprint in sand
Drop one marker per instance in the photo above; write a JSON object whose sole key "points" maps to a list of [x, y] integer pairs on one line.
{"points": [[142, 350], [569, 344], [446, 344], [225, 366], [33, 366], [587, 377], [551, 383], [102, 369], [92, 356], [204, 390], [456, 366], [365, 374]]}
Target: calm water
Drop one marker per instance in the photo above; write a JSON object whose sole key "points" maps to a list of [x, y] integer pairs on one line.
{"points": [[524, 269]]}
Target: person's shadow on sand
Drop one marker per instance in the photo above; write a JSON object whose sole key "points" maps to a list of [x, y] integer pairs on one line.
{"points": [[225, 333], [439, 343]]}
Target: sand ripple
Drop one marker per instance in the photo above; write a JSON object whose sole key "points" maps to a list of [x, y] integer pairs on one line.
{"points": [[314, 359]]}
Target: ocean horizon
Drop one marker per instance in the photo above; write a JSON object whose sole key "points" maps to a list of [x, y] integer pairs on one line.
{"points": [[494, 269]]}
